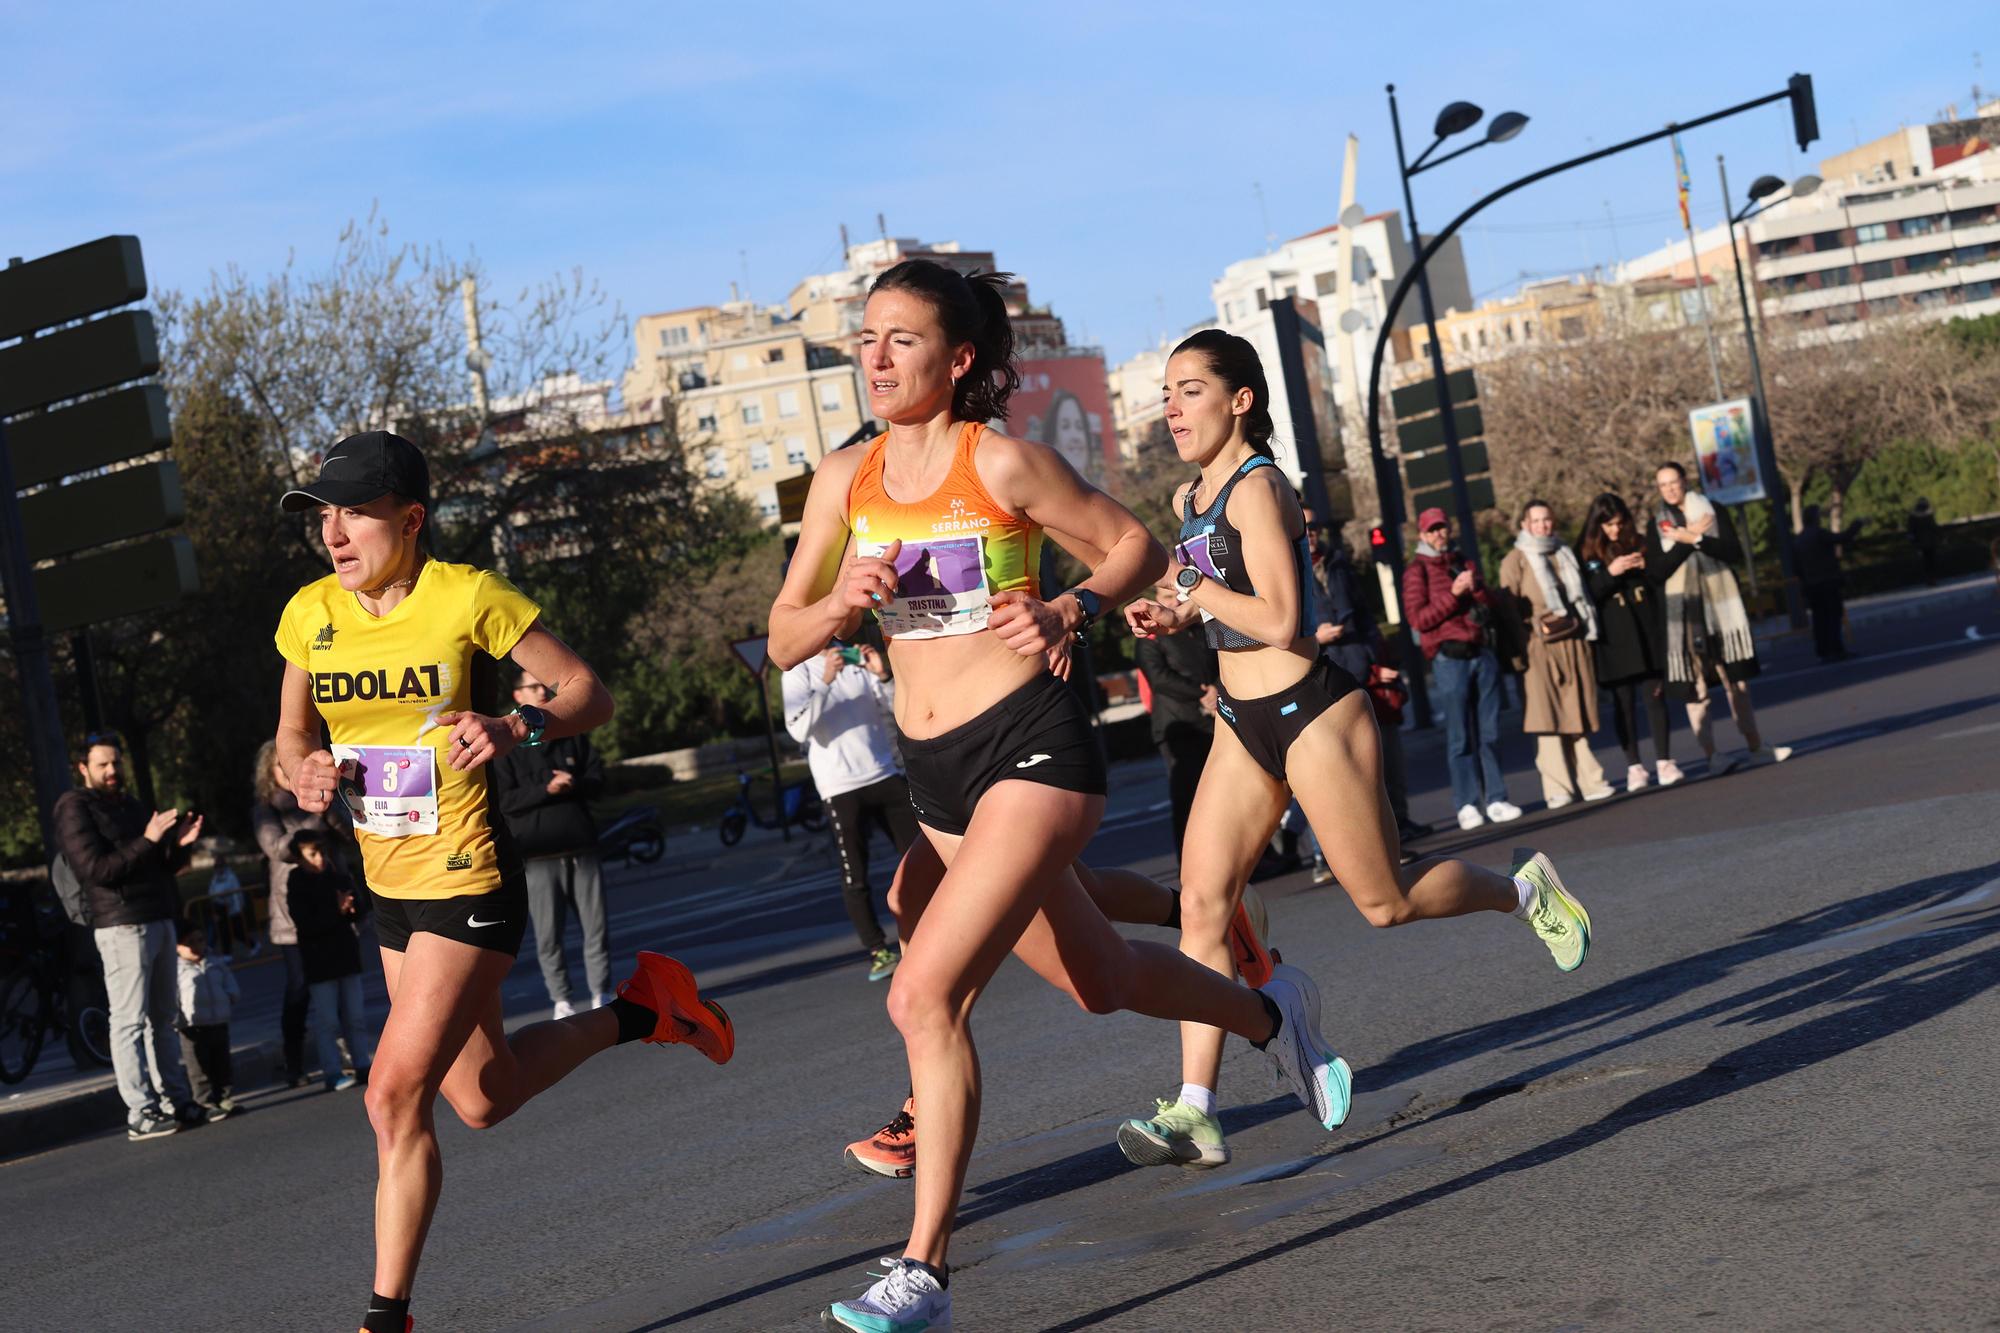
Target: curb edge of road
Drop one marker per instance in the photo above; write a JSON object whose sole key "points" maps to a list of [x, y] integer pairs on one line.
{"points": [[61, 1120]]}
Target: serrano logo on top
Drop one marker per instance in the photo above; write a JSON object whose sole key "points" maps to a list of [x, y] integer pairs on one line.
{"points": [[414, 682], [958, 520]]}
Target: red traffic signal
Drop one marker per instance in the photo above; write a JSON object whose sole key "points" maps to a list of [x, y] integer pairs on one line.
{"points": [[1377, 538]]}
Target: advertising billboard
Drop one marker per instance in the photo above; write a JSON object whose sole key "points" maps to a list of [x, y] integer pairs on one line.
{"points": [[1065, 402], [1725, 452]]}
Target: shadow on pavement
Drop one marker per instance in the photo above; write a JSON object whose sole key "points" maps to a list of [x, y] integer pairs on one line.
{"points": [[1871, 1007]]}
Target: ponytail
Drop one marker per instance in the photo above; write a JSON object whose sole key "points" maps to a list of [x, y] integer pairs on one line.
{"points": [[970, 310], [1234, 361]]}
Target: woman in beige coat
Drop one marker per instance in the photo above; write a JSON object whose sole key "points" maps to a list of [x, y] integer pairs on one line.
{"points": [[1560, 687]]}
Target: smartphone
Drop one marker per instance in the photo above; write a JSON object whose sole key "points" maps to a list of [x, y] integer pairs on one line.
{"points": [[1666, 522], [851, 656]]}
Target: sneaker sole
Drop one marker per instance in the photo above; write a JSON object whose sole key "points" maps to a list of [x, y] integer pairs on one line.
{"points": [[875, 1324], [888, 1172], [1142, 1147], [1582, 915]]}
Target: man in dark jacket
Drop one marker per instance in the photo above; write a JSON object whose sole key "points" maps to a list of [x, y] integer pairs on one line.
{"points": [[1451, 608], [125, 861], [543, 792], [1817, 551], [1180, 670]]}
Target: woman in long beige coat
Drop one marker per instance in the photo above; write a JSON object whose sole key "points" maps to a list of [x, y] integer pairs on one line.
{"points": [[1560, 687]]}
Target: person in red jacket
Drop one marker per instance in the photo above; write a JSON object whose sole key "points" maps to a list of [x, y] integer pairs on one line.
{"points": [[1445, 600]]}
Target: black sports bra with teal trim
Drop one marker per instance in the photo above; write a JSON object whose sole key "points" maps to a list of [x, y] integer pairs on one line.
{"points": [[1212, 544]]}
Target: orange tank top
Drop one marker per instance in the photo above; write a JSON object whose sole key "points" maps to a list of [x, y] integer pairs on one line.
{"points": [[959, 545]]}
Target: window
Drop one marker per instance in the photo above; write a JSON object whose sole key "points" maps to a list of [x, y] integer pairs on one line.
{"points": [[760, 457], [775, 354], [1873, 231], [832, 440], [677, 336], [706, 421], [1527, 330], [1464, 342], [829, 397], [1924, 263], [1571, 326], [1877, 270], [1325, 283], [795, 450], [788, 402], [1508, 330], [718, 465], [1482, 337], [1840, 275], [1263, 299], [1975, 217], [753, 413], [1923, 226], [1979, 291], [1972, 254], [1826, 240], [1929, 299], [767, 502]]}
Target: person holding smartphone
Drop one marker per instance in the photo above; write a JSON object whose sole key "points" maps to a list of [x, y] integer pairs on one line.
{"points": [[839, 705]]}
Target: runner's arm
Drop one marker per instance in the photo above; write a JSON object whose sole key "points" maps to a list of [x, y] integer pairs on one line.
{"points": [[1035, 481], [307, 764], [825, 586], [581, 703]]}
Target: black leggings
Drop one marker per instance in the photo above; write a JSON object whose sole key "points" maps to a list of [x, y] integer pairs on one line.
{"points": [[853, 813], [1625, 716]]}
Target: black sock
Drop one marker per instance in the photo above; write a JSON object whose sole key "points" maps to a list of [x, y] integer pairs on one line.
{"points": [[943, 1275], [634, 1020], [1277, 1019], [385, 1314], [1173, 921]]}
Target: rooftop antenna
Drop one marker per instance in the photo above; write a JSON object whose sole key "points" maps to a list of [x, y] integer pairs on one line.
{"points": [[843, 242], [743, 262], [881, 226], [1270, 237]]}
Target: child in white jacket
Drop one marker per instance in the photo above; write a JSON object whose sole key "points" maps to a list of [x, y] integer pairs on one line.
{"points": [[208, 994]]}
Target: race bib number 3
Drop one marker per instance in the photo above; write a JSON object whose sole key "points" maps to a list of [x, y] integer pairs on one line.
{"points": [[389, 790]]}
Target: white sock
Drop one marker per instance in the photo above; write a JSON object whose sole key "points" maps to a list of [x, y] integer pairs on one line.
{"points": [[1200, 1098], [1527, 892]]}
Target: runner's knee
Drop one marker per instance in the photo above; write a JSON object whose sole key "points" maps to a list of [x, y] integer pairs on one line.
{"points": [[1205, 914], [395, 1105], [922, 1010]]}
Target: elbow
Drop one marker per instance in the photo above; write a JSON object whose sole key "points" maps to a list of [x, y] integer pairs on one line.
{"points": [[1154, 566]]}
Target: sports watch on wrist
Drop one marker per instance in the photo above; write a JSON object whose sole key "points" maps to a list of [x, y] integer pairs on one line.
{"points": [[1187, 581], [1087, 603], [537, 720]]}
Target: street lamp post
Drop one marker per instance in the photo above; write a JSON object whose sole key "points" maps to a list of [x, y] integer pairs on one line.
{"points": [[1761, 191], [1454, 119]]}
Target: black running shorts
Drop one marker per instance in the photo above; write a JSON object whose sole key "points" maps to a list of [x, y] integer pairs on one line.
{"points": [[496, 920], [1039, 733], [1268, 724]]}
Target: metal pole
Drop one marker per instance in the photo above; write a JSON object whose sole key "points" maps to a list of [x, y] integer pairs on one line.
{"points": [[1468, 537], [771, 739], [1760, 428]]}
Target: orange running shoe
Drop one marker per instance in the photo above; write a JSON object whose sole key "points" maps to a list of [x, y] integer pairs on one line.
{"points": [[891, 1150], [1246, 947], [667, 988]]}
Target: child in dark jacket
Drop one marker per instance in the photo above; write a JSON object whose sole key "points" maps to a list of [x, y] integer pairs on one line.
{"points": [[325, 906]]}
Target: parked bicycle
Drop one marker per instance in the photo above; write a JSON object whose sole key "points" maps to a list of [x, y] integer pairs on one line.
{"points": [[635, 835], [801, 804], [53, 987]]}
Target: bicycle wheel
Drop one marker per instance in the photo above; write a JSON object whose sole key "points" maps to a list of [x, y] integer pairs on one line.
{"points": [[733, 824], [647, 850], [89, 1037], [23, 1020]]}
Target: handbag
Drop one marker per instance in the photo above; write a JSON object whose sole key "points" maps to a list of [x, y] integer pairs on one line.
{"points": [[1387, 696], [1557, 626]]}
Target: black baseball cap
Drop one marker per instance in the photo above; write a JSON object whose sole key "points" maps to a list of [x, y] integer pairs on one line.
{"points": [[365, 467]]}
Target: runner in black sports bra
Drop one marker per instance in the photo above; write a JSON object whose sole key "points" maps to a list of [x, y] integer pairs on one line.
{"points": [[1297, 726]]}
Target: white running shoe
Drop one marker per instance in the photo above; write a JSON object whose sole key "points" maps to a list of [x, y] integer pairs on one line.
{"points": [[1469, 817], [564, 1008], [1637, 778], [904, 1299], [1670, 773], [599, 1000], [1321, 1079], [1559, 800], [1603, 793], [1500, 812]]}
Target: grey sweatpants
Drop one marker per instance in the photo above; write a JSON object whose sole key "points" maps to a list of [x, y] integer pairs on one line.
{"points": [[145, 999], [556, 881]]}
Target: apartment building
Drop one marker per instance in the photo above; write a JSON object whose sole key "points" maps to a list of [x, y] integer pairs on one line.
{"points": [[758, 401]]}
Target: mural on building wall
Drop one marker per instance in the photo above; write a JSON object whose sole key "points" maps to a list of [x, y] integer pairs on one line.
{"points": [[1065, 402]]}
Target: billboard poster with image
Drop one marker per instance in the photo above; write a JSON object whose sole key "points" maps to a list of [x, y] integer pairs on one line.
{"points": [[1065, 403], [1725, 452]]}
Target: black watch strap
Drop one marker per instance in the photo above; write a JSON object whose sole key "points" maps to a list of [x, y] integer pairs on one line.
{"points": [[1086, 602]]}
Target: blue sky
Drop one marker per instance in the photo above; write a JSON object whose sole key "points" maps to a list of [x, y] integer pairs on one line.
{"points": [[1107, 152]]}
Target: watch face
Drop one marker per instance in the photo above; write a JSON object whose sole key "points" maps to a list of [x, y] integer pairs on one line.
{"points": [[1188, 577], [536, 719]]}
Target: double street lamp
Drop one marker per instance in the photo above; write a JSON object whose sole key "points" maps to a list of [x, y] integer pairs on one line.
{"points": [[1763, 192], [1455, 119]]}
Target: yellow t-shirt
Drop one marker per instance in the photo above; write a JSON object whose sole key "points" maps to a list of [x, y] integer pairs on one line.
{"points": [[380, 683]]}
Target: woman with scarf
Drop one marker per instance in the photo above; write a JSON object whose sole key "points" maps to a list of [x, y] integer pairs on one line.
{"points": [[1561, 684], [1708, 630]]}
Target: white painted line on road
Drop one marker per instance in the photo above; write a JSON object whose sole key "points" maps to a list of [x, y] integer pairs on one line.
{"points": [[1972, 635], [1962, 732], [1932, 920]]}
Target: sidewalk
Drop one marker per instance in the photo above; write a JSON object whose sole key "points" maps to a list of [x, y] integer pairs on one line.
{"points": [[1905, 604]]}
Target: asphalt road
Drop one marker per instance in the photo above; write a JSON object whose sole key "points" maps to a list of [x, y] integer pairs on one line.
{"points": [[1766, 1100]]}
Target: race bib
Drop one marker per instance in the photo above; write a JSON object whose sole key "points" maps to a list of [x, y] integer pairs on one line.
{"points": [[940, 587], [389, 790], [1200, 552]]}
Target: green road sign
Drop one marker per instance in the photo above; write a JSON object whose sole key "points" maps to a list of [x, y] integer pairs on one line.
{"points": [[122, 581], [128, 503], [1430, 470], [1479, 488], [1426, 433], [1412, 399]]}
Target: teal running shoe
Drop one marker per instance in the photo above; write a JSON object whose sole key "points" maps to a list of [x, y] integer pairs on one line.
{"points": [[905, 1299], [1321, 1079]]}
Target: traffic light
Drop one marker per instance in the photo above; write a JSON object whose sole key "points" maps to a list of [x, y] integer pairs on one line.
{"points": [[1805, 114], [1378, 538]]}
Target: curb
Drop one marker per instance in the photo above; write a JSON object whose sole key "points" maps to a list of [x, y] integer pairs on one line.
{"points": [[66, 1118]]}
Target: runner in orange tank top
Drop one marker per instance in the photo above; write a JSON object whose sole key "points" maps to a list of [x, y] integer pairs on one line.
{"points": [[924, 528]]}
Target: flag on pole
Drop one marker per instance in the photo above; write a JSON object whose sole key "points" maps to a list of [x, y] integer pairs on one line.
{"points": [[1681, 175]]}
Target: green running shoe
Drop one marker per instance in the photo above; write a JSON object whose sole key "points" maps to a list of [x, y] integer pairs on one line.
{"points": [[1556, 916], [883, 962], [1177, 1133]]}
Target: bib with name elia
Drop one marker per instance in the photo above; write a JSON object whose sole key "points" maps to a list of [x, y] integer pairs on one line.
{"points": [[380, 683], [959, 545]]}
